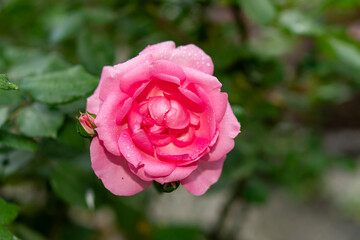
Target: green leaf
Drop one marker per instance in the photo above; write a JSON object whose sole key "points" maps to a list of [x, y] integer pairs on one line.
{"points": [[73, 108], [60, 87], [299, 23], [37, 120], [260, 11], [36, 66], [346, 52], [69, 135], [67, 180], [4, 114], [5, 84], [13, 162], [17, 141], [11, 97], [6, 234], [8, 212], [271, 42], [95, 51], [66, 26]]}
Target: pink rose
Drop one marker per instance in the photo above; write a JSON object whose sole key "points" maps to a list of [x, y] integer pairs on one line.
{"points": [[161, 117]]}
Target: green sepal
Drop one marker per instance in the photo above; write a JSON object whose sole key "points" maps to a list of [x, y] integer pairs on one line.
{"points": [[80, 129], [166, 187]]}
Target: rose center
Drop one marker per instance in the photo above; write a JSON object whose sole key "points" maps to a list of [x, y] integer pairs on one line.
{"points": [[158, 121]]}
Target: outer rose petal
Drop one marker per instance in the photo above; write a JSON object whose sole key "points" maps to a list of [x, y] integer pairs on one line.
{"points": [[207, 82], [106, 127], [206, 174], [179, 173], [132, 79], [211, 86], [111, 76], [193, 57], [186, 56], [229, 128], [160, 50], [114, 171], [93, 102]]}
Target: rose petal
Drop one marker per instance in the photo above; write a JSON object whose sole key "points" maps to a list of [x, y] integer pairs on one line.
{"points": [[105, 121], [109, 81], [177, 117], [193, 57], [124, 110], [111, 76], [151, 90], [114, 171], [179, 173], [93, 102], [134, 120], [194, 119], [184, 139], [207, 82], [152, 166], [211, 87], [132, 79], [168, 71], [160, 50], [191, 96], [229, 128], [186, 56], [160, 140], [205, 175], [143, 107], [158, 107], [157, 129], [207, 126], [219, 103], [189, 153], [142, 140]]}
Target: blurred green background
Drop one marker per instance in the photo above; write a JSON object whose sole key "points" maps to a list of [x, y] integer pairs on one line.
{"points": [[292, 72]]}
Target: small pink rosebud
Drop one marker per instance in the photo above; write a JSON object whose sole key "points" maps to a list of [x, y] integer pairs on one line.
{"points": [[86, 125]]}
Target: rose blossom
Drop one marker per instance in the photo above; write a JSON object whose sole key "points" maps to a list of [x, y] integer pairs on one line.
{"points": [[161, 117]]}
